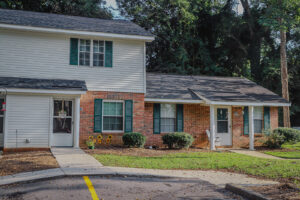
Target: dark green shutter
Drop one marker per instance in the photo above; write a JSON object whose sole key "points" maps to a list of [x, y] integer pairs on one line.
{"points": [[73, 51], [266, 118], [179, 124], [98, 115], [108, 53], [156, 118], [128, 116], [246, 121]]}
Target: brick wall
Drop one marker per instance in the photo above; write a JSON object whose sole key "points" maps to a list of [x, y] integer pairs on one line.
{"points": [[87, 114], [238, 137], [196, 121]]}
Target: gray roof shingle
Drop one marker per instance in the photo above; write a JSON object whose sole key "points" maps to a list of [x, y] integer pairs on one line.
{"points": [[48, 20], [48, 84], [225, 89]]}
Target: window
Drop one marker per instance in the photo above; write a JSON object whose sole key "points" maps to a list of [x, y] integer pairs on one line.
{"points": [[258, 119], [84, 52], [222, 120], [98, 53], [62, 116], [113, 116], [1, 116], [167, 118]]}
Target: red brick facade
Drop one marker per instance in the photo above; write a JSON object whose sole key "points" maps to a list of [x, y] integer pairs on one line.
{"points": [[196, 121], [87, 114]]}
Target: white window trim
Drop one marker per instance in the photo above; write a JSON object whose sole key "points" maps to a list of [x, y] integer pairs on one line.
{"points": [[116, 131], [169, 118], [2, 116], [91, 53]]}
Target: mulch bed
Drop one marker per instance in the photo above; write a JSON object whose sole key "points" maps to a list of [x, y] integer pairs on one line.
{"points": [[282, 191], [122, 151], [12, 163]]}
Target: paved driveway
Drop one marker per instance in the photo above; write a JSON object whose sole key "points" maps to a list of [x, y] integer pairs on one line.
{"points": [[111, 188]]}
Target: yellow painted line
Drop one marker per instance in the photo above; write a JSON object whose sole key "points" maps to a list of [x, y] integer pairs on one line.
{"points": [[91, 187]]}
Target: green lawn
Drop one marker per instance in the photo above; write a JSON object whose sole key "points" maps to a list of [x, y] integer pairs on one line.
{"points": [[284, 154], [291, 146], [208, 160]]}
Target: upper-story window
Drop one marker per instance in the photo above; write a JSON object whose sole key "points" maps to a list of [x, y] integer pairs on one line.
{"points": [[98, 53], [93, 53], [84, 52]]}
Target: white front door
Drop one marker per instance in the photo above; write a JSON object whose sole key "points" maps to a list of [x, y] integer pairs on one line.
{"points": [[62, 123], [223, 125]]}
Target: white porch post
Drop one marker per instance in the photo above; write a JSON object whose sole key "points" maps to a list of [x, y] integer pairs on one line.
{"points": [[212, 128], [77, 122], [251, 128]]}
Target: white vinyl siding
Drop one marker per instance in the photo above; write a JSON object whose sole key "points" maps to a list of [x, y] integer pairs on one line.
{"points": [[29, 117], [41, 55], [1, 122]]}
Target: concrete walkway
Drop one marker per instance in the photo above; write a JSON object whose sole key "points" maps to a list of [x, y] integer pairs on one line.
{"points": [[255, 154], [77, 162]]}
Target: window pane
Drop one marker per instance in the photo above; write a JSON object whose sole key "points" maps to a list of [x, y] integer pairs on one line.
{"points": [[222, 126], [57, 107], [167, 125], [257, 126], [1, 101], [112, 123], [1, 125], [222, 114], [68, 108], [258, 112], [119, 109], [62, 125], [168, 110]]}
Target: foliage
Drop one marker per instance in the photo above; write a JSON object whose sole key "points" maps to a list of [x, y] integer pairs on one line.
{"points": [[233, 162], [90, 142], [284, 154], [134, 140], [87, 8], [178, 140], [274, 139], [290, 134]]}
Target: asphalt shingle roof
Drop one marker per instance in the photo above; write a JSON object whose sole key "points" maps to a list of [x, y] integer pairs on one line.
{"points": [[48, 84], [225, 89], [48, 20]]}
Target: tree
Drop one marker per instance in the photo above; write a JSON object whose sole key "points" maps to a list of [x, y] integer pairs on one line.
{"points": [[86, 8], [282, 16]]}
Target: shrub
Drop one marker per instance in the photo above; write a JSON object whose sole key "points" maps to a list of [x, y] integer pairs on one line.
{"points": [[178, 140], [290, 134], [134, 140], [274, 139]]}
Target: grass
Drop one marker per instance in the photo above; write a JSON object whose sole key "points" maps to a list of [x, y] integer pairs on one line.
{"points": [[291, 146], [285, 154], [208, 160]]}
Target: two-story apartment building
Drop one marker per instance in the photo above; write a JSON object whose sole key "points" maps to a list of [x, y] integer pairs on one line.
{"points": [[65, 78]]}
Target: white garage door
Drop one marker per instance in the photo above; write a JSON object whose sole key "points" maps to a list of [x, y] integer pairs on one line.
{"points": [[28, 121]]}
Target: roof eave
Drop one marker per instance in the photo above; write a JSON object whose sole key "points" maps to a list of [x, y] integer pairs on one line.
{"points": [[232, 103], [76, 32], [45, 91], [185, 101]]}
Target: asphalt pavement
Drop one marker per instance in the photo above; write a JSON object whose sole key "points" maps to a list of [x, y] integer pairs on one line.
{"points": [[115, 188]]}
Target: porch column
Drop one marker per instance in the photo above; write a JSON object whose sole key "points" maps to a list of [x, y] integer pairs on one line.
{"points": [[251, 128], [77, 122], [212, 128]]}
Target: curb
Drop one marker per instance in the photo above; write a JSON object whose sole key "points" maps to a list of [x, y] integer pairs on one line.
{"points": [[242, 191], [61, 175]]}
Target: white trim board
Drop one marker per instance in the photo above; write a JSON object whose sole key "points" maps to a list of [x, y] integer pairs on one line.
{"points": [[78, 33], [247, 103], [44, 91], [173, 100]]}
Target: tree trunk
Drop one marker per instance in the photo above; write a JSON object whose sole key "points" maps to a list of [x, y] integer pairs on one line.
{"points": [[284, 78]]}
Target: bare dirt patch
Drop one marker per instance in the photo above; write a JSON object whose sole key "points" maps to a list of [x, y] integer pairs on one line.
{"points": [[282, 191], [12, 163], [122, 151]]}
